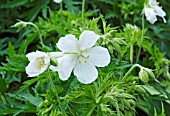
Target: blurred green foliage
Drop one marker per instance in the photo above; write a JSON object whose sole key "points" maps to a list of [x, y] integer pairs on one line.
{"points": [[108, 95]]}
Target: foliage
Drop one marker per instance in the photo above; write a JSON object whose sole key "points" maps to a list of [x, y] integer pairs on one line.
{"points": [[122, 88]]}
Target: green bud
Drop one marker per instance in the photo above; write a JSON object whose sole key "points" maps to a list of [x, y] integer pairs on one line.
{"points": [[20, 25], [53, 61], [143, 75], [150, 73]]}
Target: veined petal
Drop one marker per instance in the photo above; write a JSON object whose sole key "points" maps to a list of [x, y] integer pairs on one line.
{"points": [[150, 15], [158, 10], [88, 39], [99, 56], [86, 73], [32, 70], [66, 66], [68, 43]]}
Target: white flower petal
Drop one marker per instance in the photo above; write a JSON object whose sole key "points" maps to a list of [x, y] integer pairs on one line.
{"points": [[47, 60], [57, 1], [32, 70], [86, 73], [68, 43], [66, 66], [158, 10], [31, 56], [99, 56], [53, 68], [153, 2], [88, 39], [150, 15], [56, 54], [42, 69]]}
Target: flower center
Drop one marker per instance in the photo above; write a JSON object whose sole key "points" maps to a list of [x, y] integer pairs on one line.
{"points": [[83, 56], [40, 62]]}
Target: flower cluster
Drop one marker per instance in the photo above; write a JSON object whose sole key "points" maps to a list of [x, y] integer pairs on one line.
{"points": [[76, 55], [152, 10]]}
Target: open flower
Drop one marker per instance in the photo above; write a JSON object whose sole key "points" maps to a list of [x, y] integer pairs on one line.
{"points": [[81, 56], [39, 62], [152, 10], [57, 1]]}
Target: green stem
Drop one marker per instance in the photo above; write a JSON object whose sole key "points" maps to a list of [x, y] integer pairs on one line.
{"points": [[61, 6], [142, 37], [83, 7], [41, 41], [130, 70], [131, 54], [53, 86], [55, 91]]}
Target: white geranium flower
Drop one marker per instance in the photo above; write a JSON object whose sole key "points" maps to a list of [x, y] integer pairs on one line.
{"points": [[39, 62], [81, 56], [152, 10], [57, 1]]}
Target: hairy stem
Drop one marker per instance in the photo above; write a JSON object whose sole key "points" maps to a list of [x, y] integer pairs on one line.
{"points": [[55, 91], [131, 53], [130, 70], [41, 41]]}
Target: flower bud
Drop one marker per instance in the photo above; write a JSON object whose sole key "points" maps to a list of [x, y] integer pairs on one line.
{"points": [[19, 25], [143, 75]]}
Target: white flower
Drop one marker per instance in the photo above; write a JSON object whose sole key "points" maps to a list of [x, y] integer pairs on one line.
{"points": [[152, 10], [39, 62], [150, 15], [81, 56], [57, 1]]}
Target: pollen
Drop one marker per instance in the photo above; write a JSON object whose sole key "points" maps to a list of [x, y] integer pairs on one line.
{"points": [[40, 62]]}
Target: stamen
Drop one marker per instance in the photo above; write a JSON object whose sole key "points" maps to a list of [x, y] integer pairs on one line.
{"points": [[40, 62], [87, 56], [81, 51]]}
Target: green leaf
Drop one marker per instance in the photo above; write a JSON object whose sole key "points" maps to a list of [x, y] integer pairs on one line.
{"points": [[28, 83], [3, 85], [14, 3], [151, 90]]}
